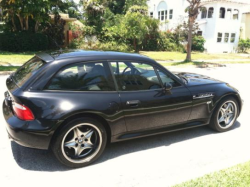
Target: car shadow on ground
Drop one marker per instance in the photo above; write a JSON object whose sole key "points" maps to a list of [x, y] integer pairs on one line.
{"points": [[42, 160]]}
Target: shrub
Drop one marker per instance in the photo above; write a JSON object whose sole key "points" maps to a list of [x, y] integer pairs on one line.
{"points": [[163, 41], [91, 43], [23, 41], [198, 43], [113, 46], [244, 45]]}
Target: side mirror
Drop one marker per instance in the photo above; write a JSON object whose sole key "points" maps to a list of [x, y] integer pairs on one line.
{"points": [[167, 86]]}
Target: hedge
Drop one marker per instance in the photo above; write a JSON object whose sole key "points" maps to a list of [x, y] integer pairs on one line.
{"points": [[23, 41]]}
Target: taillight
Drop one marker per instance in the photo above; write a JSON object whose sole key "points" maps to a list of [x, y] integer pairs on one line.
{"points": [[23, 112]]}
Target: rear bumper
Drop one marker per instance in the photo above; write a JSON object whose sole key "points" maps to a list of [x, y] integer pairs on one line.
{"points": [[26, 133]]}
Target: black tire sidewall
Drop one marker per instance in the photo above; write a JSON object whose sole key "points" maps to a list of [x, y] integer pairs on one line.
{"points": [[56, 145], [214, 123]]}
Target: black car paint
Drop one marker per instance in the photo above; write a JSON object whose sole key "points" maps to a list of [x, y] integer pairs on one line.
{"points": [[151, 112]]}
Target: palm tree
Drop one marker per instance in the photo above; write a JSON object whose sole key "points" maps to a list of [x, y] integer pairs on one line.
{"points": [[193, 11]]}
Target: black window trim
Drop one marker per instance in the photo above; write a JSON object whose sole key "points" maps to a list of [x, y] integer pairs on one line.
{"points": [[83, 91]]}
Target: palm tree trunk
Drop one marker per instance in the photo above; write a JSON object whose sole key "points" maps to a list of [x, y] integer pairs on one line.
{"points": [[21, 21], [27, 23], [36, 26], [13, 23], [189, 44]]}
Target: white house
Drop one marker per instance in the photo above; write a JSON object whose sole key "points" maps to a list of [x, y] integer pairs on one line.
{"points": [[219, 22]]}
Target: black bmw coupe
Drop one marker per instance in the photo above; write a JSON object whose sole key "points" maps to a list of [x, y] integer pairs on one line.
{"points": [[75, 102]]}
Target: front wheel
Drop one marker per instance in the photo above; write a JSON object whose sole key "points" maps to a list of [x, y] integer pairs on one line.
{"points": [[225, 115], [80, 142]]}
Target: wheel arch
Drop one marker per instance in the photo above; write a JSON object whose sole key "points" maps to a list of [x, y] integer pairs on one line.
{"points": [[81, 115], [236, 97]]}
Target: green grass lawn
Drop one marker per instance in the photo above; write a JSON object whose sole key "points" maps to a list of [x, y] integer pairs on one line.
{"points": [[170, 56], [15, 59], [8, 68], [8, 58], [236, 176]]}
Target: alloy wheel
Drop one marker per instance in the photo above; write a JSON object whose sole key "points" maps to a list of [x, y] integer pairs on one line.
{"points": [[227, 114], [81, 143]]}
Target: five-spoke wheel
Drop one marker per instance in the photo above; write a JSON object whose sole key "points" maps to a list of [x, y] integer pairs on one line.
{"points": [[225, 114], [80, 142]]}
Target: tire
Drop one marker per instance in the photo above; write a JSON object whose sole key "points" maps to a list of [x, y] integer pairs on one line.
{"points": [[222, 120], [80, 142]]}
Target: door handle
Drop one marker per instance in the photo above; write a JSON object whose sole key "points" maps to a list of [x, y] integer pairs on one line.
{"points": [[134, 103]]}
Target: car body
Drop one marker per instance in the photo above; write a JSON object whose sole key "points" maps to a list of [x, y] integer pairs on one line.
{"points": [[130, 95]]}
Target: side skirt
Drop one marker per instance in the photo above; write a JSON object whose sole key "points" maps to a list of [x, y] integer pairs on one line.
{"points": [[145, 133]]}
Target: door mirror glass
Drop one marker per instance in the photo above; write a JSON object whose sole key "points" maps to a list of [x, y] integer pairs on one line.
{"points": [[167, 86]]}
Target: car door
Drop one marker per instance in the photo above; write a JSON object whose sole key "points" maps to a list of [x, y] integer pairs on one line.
{"points": [[144, 102]]}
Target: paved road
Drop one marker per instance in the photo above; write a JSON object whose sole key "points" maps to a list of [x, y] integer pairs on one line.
{"points": [[161, 160]]}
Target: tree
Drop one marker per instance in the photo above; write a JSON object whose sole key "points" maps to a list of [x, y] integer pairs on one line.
{"points": [[21, 13], [134, 27], [193, 11]]}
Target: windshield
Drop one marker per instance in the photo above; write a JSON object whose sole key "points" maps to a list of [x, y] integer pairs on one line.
{"points": [[27, 70]]}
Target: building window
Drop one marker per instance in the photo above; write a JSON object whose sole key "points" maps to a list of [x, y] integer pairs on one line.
{"points": [[232, 37], [222, 12], [151, 14], [199, 33], [229, 13], [204, 13], [210, 12], [163, 15], [236, 14], [219, 38], [166, 14], [171, 12], [226, 37]]}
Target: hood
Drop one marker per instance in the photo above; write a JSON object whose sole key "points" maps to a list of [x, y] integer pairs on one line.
{"points": [[197, 79]]}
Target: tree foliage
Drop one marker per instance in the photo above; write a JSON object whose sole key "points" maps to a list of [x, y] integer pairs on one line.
{"points": [[20, 14], [244, 45], [55, 32], [198, 43]]}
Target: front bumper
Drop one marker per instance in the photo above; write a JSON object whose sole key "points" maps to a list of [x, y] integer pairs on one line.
{"points": [[26, 133]]}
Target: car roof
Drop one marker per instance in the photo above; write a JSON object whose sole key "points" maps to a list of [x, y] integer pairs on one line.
{"points": [[66, 54]]}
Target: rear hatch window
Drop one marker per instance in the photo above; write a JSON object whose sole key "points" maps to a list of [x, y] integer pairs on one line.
{"points": [[27, 70]]}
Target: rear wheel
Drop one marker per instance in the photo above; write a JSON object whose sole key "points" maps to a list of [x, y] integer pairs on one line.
{"points": [[225, 115], [80, 142]]}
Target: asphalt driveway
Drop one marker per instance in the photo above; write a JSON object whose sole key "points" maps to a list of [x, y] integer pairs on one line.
{"points": [[161, 160]]}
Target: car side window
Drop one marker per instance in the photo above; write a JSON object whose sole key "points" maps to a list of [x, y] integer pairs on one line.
{"points": [[135, 76], [166, 79], [94, 76]]}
